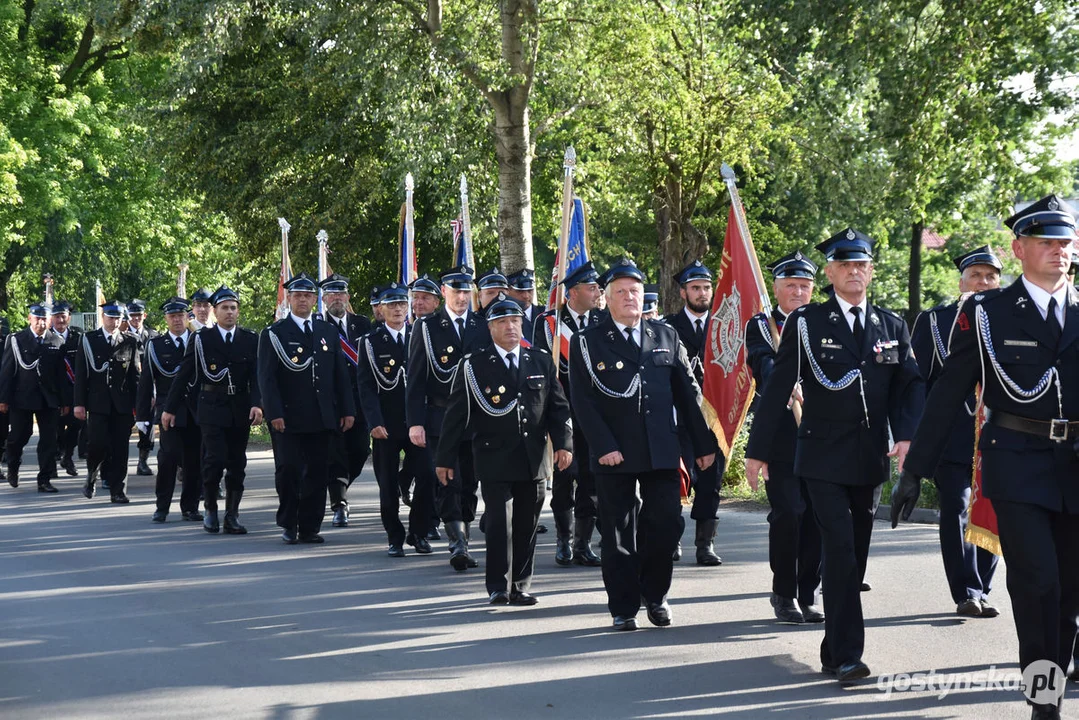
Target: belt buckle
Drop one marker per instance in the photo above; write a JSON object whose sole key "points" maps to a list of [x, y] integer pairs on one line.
{"points": [[1058, 429]]}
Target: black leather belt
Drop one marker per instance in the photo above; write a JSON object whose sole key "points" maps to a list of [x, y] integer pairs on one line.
{"points": [[1058, 430], [209, 387]]}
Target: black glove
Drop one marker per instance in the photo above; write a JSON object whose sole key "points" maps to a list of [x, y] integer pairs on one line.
{"points": [[905, 496]]}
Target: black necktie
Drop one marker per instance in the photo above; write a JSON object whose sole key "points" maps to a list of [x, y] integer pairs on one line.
{"points": [[307, 329], [1052, 323], [460, 327], [401, 340], [511, 360], [228, 338], [180, 343], [582, 322], [857, 313], [631, 340], [700, 330]]}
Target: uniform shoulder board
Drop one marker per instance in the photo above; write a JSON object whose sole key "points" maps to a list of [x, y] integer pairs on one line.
{"points": [[247, 331], [886, 311], [540, 350], [983, 297], [801, 309], [467, 356]]}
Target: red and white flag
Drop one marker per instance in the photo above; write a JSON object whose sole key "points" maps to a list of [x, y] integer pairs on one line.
{"points": [[740, 294]]}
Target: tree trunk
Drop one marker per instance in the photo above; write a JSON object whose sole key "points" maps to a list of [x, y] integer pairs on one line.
{"points": [[680, 242], [914, 279], [513, 150]]}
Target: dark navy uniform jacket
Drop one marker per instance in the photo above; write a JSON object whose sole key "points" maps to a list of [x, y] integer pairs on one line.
{"points": [[110, 388], [844, 435], [1004, 330], [687, 333], [71, 349], [381, 377], [39, 388], [641, 426], [226, 401], [160, 365], [356, 326], [431, 373], [315, 397], [510, 447], [761, 356], [929, 340]]}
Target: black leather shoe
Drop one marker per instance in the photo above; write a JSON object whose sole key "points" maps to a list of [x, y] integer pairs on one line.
{"points": [[624, 623], [192, 515], [866, 587], [13, 478], [988, 611], [541, 528], [289, 537], [422, 546], [312, 539], [677, 554], [46, 487], [119, 498], [340, 517], [659, 614], [88, 490], [499, 597], [811, 613], [786, 610], [159, 516], [470, 561], [522, 598], [563, 553], [395, 551], [69, 466], [969, 608], [848, 672], [232, 525], [210, 523], [433, 535]]}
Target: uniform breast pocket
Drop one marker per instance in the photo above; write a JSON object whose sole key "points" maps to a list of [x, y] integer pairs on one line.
{"points": [[1023, 354], [535, 383], [887, 357], [662, 359]]}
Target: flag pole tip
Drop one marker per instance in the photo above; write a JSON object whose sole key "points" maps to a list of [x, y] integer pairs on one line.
{"points": [[409, 183], [727, 172], [322, 236], [570, 159], [464, 184]]}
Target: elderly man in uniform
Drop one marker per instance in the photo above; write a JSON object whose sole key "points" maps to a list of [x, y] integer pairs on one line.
{"points": [[1020, 342], [627, 377], [794, 543], [307, 396], [438, 343], [181, 446], [31, 377], [348, 450], [695, 288], [969, 569], [426, 296], [508, 399], [573, 494], [106, 379], [221, 368], [381, 377], [68, 428], [859, 380]]}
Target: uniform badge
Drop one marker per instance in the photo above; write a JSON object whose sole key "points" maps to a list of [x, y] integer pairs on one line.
{"points": [[444, 359], [386, 369], [213, 367], [601, 366], [295, 359], [874, 319], [962, 322], [1021, 301], [833, 316], [299, 349], [880, 358], [487, 390], [496, 398], [501, 388], [449, 349], [392, 362], [979, 297], [618, 364]]}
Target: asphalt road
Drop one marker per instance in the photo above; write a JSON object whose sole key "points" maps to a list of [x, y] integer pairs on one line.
{"points": [[105, 615]]}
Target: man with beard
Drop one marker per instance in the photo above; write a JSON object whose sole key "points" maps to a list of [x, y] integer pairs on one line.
{"points": [[222, 369], [181, 446], [106, 378], [507, 398], [69, 427], [298, 354], [794, 544], [695, 288], [349, 450], [438, 343], [31, 376]]}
